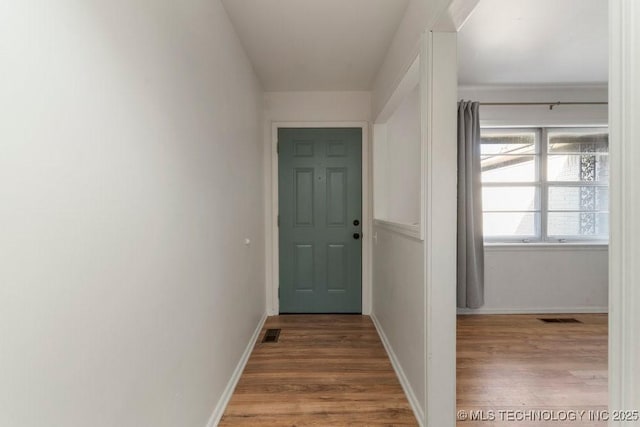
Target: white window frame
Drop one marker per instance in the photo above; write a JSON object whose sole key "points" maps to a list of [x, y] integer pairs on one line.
{"points": [[542, 185]]}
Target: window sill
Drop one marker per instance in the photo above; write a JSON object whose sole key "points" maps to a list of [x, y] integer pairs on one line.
{"points": [[410, 230], [546, 246]]}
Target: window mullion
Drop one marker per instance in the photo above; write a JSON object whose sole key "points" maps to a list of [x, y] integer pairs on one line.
{"points": [[511, 184], [544, 187], [577, 184]]}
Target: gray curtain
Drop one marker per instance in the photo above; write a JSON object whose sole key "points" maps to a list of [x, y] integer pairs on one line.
{"points": [[470, 238]]}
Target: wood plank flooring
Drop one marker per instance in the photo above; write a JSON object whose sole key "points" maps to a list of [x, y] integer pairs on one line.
{"points": [[329, 370], [325, 370], [516, 362]]}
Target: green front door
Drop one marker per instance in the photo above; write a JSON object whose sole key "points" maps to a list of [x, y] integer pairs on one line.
{"points": [[320, 208]]}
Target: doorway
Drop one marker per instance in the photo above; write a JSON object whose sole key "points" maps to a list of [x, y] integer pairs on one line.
{"points": [[544, 176], [320, 220]]}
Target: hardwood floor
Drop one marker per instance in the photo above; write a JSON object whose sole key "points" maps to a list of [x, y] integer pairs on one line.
{"points": [[329, 370], [325, 370], [517, 363]]}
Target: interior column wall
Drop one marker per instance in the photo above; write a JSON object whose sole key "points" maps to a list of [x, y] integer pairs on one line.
{"points": [[624, 108]]}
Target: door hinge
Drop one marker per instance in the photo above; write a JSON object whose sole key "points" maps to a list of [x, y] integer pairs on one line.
{"points": [[278, 147], [278, 220], [278, 292]]}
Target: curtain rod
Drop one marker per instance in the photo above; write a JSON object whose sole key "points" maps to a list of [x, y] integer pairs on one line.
{"points": [[550, 104]]}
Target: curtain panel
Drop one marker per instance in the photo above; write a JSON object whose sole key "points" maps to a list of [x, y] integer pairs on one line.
{"points": [[470, 259]]}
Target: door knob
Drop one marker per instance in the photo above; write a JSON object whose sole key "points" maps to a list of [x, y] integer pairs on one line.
{"points": [[356, 236], [356, 222]]}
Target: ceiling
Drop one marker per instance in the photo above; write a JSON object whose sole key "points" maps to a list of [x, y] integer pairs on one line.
{"points": [[535, 42], [298, 45]]}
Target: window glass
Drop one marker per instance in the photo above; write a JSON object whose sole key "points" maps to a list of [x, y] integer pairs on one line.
{"points": [[508, 143], [576, 142], [579, 224], [508, 168], [561, 183], [506, 198], [578, 198], [511, 224], [578, 167]]}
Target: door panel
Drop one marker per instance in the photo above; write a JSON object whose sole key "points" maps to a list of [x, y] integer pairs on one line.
{"points": [[337, 197], [303, 263], [320, 197], [303, 148], [337, 268], [304, 196], [336, 149]]}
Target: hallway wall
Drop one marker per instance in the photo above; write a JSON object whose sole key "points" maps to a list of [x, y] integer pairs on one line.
{"points": [[398, 305], [130, 175], [413, 278]]}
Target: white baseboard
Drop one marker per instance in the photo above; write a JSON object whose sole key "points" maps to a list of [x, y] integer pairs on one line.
{"points": [[556, 310], [406, 386], [218, 412]]}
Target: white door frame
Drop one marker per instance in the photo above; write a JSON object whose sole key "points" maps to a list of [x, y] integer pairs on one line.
{"points": [[273, 303], [624, 245]]}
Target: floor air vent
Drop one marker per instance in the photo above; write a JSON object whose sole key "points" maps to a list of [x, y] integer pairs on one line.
{"points": [[271, 335], [560, 320]]}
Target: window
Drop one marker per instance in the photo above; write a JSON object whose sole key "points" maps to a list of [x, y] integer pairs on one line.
{"points": [[545, 184]]}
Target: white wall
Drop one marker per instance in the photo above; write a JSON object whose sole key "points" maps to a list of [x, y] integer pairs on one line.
{"points": [[398, 259], [398, 164], [414, 280], [543, 278], [316, 107], [130, 171], [398, 289], [398, 303], [304, 107], [404, 48], [564, 115]]}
